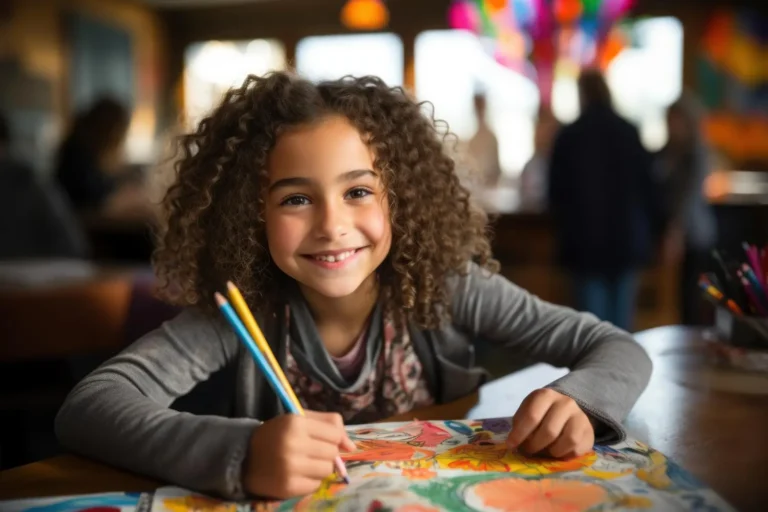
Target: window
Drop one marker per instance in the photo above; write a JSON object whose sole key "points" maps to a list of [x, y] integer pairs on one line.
{"points": [[451, 67], [648, 77], [213, 67], [332, 57]]}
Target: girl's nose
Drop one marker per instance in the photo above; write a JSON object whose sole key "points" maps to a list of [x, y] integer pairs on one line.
{"points": [[333, 221]]}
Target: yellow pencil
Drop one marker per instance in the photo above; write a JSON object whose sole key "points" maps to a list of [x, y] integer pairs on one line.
{"points": [[253, 328], [261, 342]]}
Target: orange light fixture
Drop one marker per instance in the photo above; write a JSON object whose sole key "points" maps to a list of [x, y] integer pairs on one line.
{"points": [[365, 14]]}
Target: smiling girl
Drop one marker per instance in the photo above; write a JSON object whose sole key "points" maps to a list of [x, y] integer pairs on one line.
{"points": [[333, 207]]}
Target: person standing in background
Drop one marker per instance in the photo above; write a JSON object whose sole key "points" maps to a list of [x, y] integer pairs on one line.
{"points": [[484, 147], [684, 164], [533, 178], [604, 204]]}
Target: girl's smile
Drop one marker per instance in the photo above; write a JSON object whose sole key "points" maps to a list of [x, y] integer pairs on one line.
{"points": [[335, 260]]}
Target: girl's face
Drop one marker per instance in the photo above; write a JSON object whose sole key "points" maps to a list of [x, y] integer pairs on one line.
{"points": [[327, 210]]}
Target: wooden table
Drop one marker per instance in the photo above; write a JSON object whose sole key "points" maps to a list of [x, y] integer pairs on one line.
{"points": [[718, 436]]}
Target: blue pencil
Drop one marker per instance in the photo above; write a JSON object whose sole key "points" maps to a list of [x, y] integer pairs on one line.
{"points": [[245, 337], [266, 369]]}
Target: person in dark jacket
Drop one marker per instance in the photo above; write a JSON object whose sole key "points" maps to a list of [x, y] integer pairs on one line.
{"points": [[605, 205]]}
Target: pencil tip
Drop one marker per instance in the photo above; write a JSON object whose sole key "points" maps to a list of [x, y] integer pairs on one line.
{"points": [[220, 300], [346, 480], [230, 285]]}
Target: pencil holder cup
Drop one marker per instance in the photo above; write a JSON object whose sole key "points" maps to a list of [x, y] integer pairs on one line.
{"points": [[746, 332]]}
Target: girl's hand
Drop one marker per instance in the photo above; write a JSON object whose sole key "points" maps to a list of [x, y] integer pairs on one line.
{"points": [[290, 455], [550, 422]]}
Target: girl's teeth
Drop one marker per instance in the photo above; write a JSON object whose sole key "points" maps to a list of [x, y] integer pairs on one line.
{"points": [[338, 257]]}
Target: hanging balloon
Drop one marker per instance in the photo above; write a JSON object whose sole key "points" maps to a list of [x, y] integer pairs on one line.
{"points": [[611, 10], [502, 20], [544, 63], [565, 43], [567, 12], [591, 7], [523, 13], [464, 15], [612, 47], [543, 26], [487, 25], [512, 44], [590, 34], [589, 26], [495, 6]]}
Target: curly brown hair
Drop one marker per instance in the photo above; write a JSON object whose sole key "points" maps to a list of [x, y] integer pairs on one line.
{"points": [[214, 211]]}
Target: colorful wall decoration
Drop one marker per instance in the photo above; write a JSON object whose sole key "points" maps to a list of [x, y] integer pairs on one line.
{"points": [[732, 82], [536, 37]]}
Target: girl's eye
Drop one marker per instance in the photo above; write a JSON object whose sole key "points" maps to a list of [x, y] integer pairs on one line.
{"points": [[295, 201], [358, 193]]}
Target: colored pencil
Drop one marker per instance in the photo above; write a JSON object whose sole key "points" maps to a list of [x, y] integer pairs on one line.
{"points": [[757, 305], [756, 286], [250, 334], [754, 261], [253, 328], [713, 280], [720, 298], [261, 362], [731, 285]]}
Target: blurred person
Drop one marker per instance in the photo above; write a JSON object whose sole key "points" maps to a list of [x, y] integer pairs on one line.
{"points": [[90, 165], [684, 164], [533, 178], [484, 147], [35, 219], [604, 202]]}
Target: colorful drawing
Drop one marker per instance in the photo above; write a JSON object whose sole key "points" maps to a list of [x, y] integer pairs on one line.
{"points": [[494, 456], [107, 502], [549, 494], [425, 466], [425, 434], [197, 503], [381, 451], [172, 499], [465, 465]]}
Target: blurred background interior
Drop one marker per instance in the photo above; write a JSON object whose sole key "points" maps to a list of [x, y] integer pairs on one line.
{"points": [[93, 91]]}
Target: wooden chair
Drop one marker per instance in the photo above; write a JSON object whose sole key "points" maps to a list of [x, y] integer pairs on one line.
{"points": [[61, 321], [42, 327]]}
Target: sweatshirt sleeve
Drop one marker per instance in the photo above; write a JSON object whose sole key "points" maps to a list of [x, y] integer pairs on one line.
{"points": [[120, 415], [608, 368]]}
